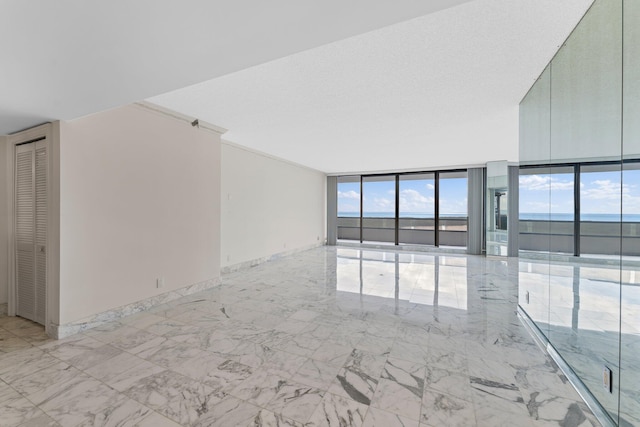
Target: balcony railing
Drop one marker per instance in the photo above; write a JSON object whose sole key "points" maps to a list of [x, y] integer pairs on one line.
{"points": [[596, 237], [416, 231]]}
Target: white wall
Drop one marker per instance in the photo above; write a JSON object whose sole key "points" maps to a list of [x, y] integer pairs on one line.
{"points": [[4, 221], [139, 199], [269, 206]]}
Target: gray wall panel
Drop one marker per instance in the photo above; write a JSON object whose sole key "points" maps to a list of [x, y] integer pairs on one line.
{"points": [[332, 209]]}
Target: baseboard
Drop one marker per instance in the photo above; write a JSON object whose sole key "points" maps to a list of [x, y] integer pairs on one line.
{"points": [[72, 328], [254, 262]]}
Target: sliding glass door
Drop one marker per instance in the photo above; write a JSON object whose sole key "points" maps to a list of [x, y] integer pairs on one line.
{"points": [[413, 208], [452, 209], [417, 209], [379, 209], [348, 208]]}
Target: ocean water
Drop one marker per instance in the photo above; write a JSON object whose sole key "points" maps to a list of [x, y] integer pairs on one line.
{"points": [[523, 216], [583, 217], [392, 215]]}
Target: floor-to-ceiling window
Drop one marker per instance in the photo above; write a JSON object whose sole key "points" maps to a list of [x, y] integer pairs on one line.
{"points": [[379, 209], [349, 207], [452, 208], [417, 208]]}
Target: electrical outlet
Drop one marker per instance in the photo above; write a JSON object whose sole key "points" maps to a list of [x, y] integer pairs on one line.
{"points": [[160, 282]]}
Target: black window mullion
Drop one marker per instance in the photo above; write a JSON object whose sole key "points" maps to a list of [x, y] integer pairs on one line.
{"points": [[576, 214], [436, 207], [361, 204], [397, 224]]}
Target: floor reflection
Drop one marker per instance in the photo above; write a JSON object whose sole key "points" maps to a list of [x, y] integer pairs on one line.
{"points": [[329, 336], [435, 280], [589, 311]]}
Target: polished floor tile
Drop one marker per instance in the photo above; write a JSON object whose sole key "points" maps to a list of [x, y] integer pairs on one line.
{"points": [[327, 337]]}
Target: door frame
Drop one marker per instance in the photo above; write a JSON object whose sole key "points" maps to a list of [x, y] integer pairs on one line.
{"points": [[50, 132]]}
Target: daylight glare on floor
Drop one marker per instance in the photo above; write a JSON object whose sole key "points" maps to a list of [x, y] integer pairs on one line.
{"points": [[326, 337]]}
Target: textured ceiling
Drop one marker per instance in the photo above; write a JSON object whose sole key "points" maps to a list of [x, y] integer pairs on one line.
{"points": [[338, 86], [438, 90], [68, 58]]}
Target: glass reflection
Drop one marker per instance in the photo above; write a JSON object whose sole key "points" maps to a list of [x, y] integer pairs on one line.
{"points": [[497, 208], [600, 209], [585, 318], [546, 209], [434, 280]]}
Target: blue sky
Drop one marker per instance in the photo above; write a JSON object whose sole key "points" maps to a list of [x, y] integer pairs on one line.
{"points": [[416, 196], [600, 193]]}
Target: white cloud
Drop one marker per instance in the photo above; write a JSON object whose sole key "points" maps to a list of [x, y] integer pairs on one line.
{"points": [[346, 207], [603, 196], [383, 205], [603, 190], [348, 195], [413, 201], [430, 186], [630, 204], [544, 182], [453, 206]]}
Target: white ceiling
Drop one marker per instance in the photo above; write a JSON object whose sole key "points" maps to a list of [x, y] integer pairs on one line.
{"points": [[68, 58], [338, 86], [438, 90]]}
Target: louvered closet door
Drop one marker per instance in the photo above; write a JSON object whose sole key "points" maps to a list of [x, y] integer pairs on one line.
{"points": [[31, 230]]}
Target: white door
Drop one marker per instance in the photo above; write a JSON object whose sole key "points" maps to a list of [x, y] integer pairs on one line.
{"points": [[31, 230]]}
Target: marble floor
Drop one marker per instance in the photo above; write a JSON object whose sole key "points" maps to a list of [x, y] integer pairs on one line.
{"points": [[327, 337]]}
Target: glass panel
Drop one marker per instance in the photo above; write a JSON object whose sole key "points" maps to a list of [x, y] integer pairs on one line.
{"points": [[560, 182], [534, 243], [533, 210], [546, 209], [630, 306], [586, 101], [417, 209], [349, 208], [600, 202], [379, 209], [630, 274], [453, 209]]}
